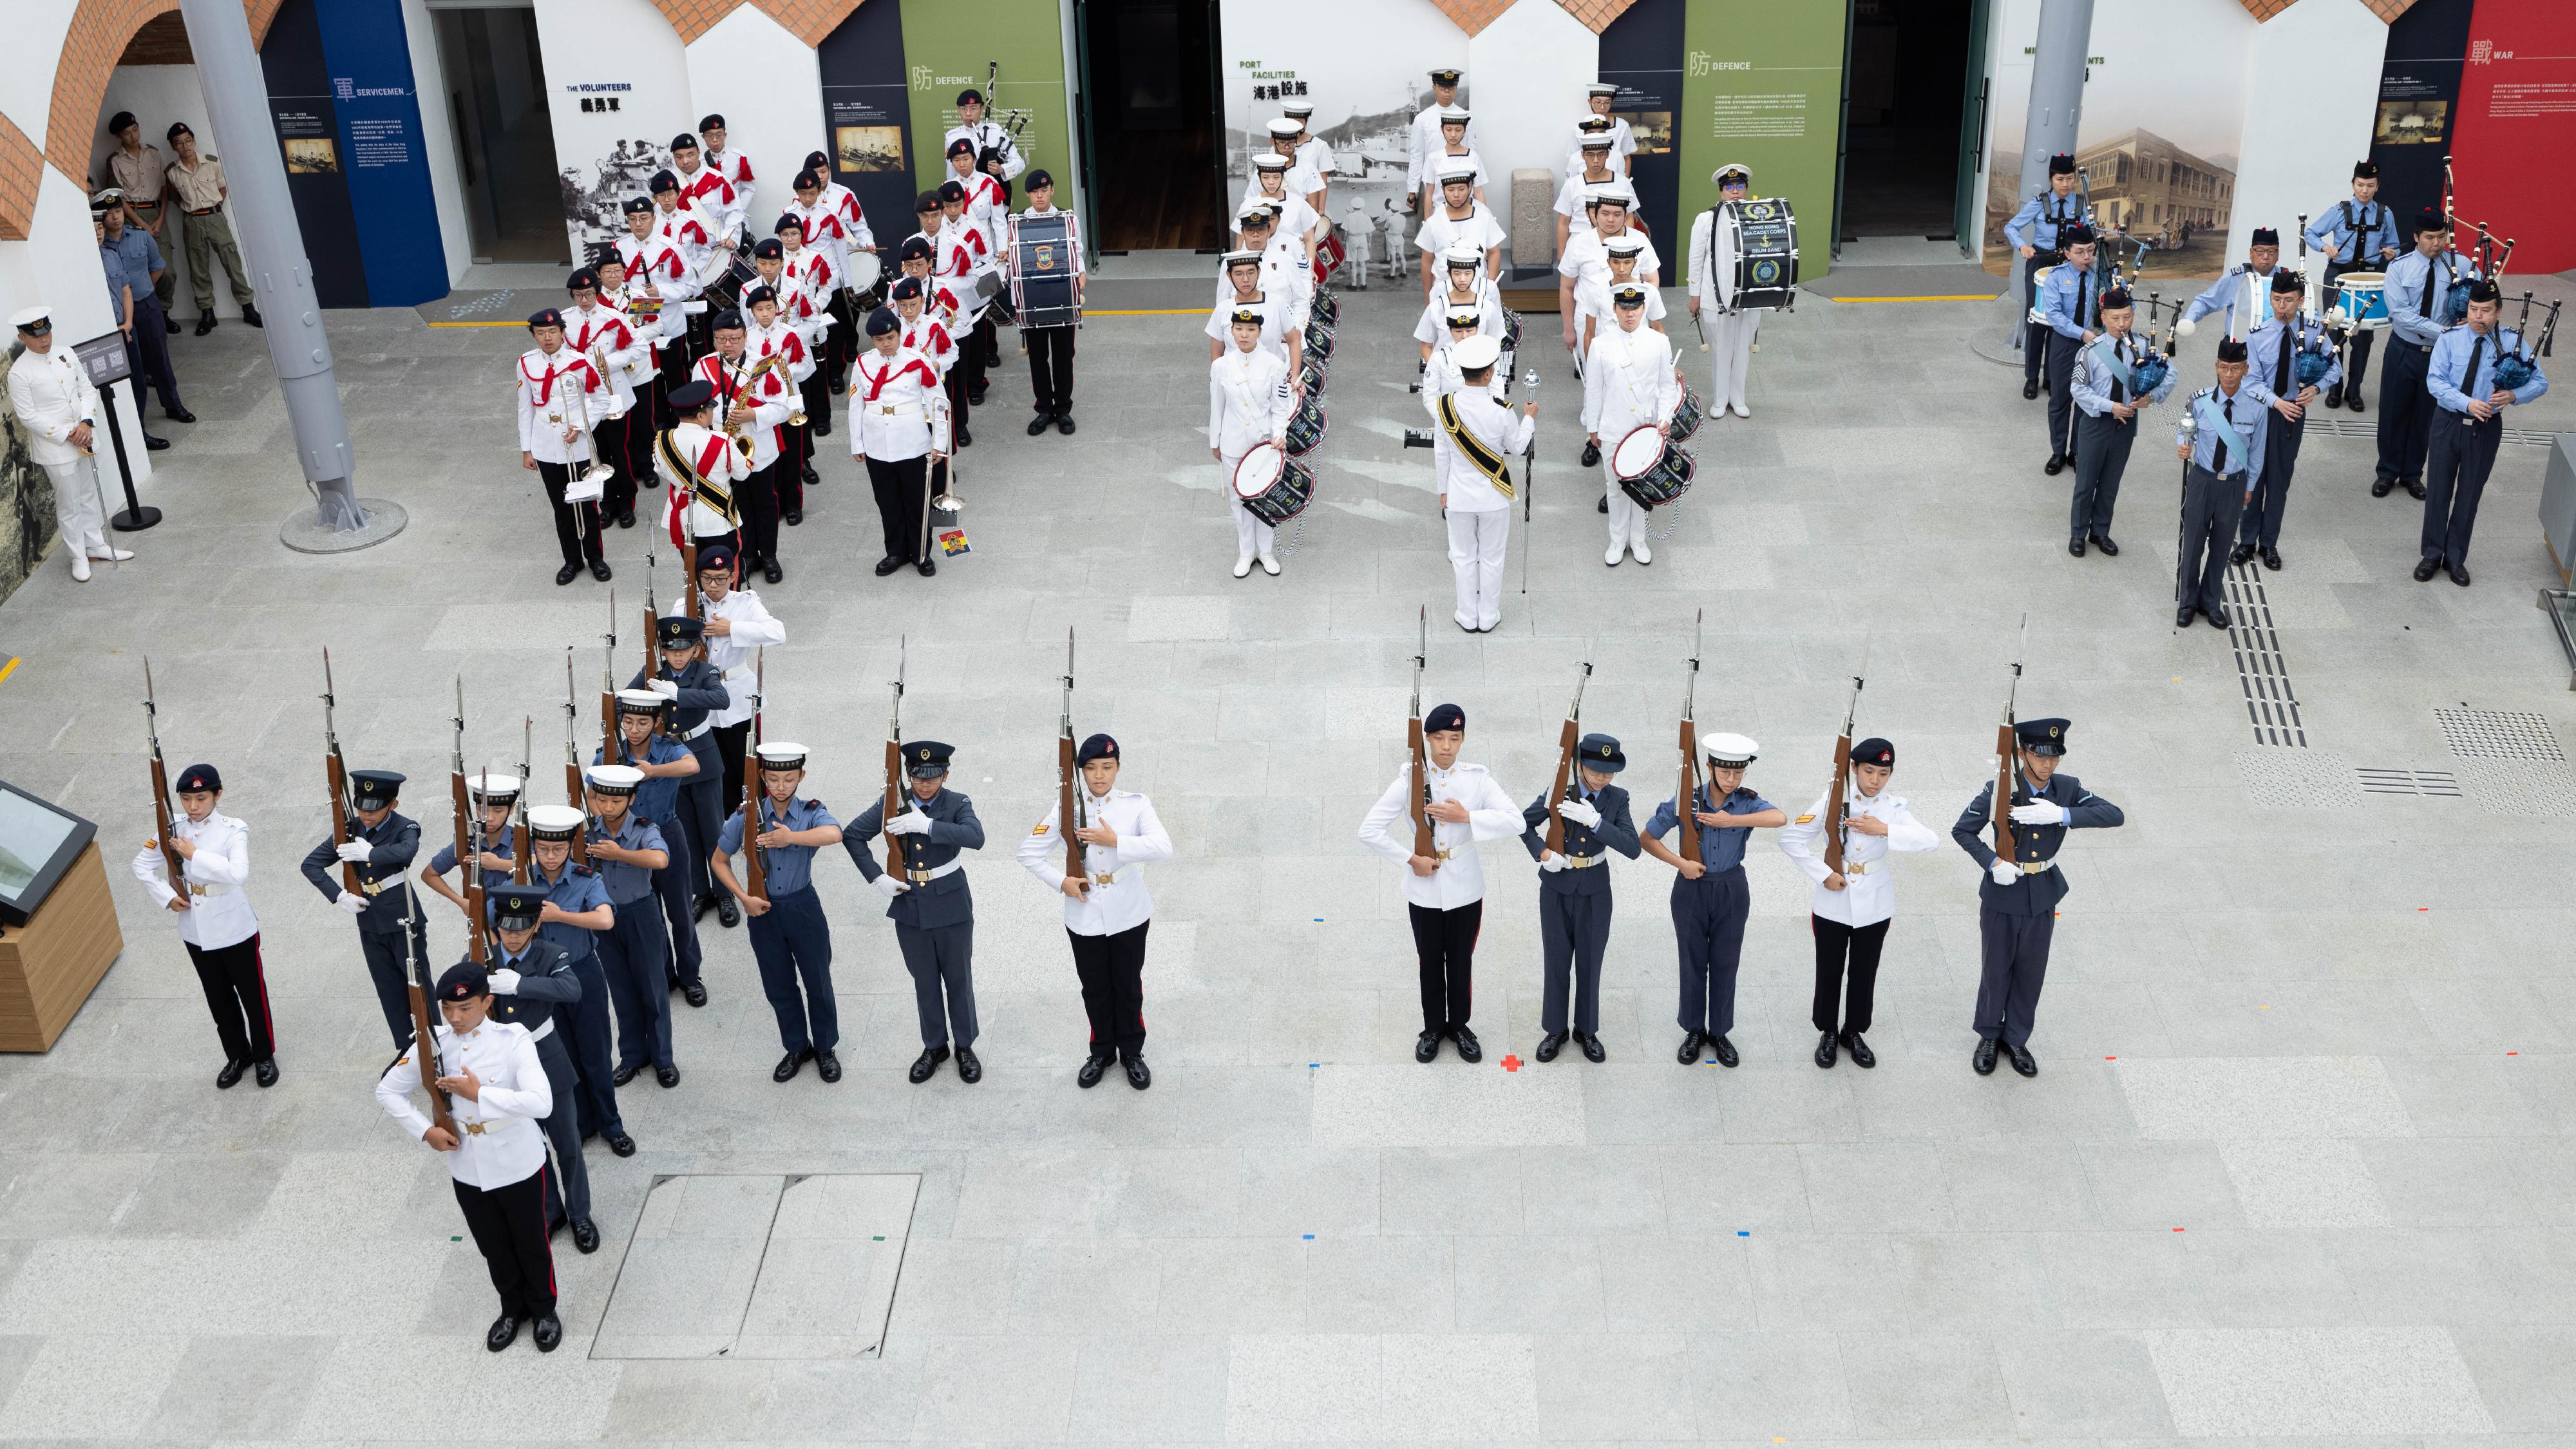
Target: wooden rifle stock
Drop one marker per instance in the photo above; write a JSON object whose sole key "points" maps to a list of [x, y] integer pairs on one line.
{"points": [[162, 821], [1837, 799], [574, 794], [1686, 794], [2004, 752], [1566, 738], [755, 876], [336, 771], [423, 1028], [898, 853], [1065, 771], [1424, 843]]}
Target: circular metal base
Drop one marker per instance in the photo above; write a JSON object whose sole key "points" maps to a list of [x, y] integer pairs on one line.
{"points": [[136, 519], [304, 532], [1999, 326]]}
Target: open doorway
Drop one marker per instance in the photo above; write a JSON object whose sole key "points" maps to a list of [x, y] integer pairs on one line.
{"points": [[1149, 107], [1909, 68], [505, 142]]}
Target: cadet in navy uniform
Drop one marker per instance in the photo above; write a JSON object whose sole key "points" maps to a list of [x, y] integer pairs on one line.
{"points": [[2357, 235], [2017, 901], [2419, 295], [2033, 231], [576, 909], [1574, 892], [1710, 899], [790, 937], [694, 688], [2470, 424], [530, 980], [2067, 302], [932, 910], [2226, 456], [625, 850], [2108, 425], [666, 765], [2272, 353], [381, 845]]}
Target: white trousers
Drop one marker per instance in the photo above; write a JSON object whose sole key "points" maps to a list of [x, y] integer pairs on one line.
{"points": [[76, 505], [1730, 354], [1251, 535], [1627, 520], [1476, 544]]}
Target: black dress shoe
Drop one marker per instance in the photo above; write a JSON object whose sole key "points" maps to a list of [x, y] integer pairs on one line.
{"points": [[965, 439], [699, 908], [232, 1072], [178, 415], [2240, 553], [205, 323], [975, 396], [567, 574], [2460, 575], [770, 570], [156, 445], [809, 477], [1592, 459], [1139, 1075], [2056, 464], [1092, 1067], [1824, 1049], [1861, 1055], [1601, 504], [1426, 1047], [789, 1065], [926, 1065], [2272, 559], [969, 1069], [2379, 487], [2103, 542], [626, 518], [621, 1144], [728, 912], [2029, 388], [171, 323], [2217, 615], [503, 1332], [792, 517], [623, 1075], [927, 567], [2023, 1062], [585, 1238], [1984, 1060], [2334, 397], [265, 1073], [888, 565], [694, 992], [2184, 615], [2415, 490], [2075, 547], [1039, 424], [1593, 1051], [2352, 400], [599, 570], [666, 1077], [1064, 424], [1724, 1050], [251, 316], [1549, 1045], [827, 1064], [549, 1333], [2426, 568], [1469, 1049], [1692, 1044]]}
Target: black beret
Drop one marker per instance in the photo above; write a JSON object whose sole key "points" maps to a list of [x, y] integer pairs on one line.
{"points": [[2484, 289], [544, 317], [1444, 717], [119, 122], [684, 142], [970, 94], [2285, 280], [2076, 235], [690, 396], [961, 147], [914, 249], [926, 201], [728, 318], [1098, 747], [583, 280], [2265, 236], [951, 191], [882, 320], [664, 181], [2231, 349], [768, 247], [635, 204], [2365, 171], [758, 295], [817, 162], [809, 179], [605, 255], [788, 221], [907, 290], [2431, 219], [177, 130], [715, 557], [2061, 164], [711, 123], [200, 777], [463, 981], [1036, 179], [1874, 751]]}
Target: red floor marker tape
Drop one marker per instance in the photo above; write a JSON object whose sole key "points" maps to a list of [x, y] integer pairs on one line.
{"points": [[1511, 1063]]}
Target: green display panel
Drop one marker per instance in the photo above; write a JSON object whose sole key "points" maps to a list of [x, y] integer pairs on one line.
{"points": [[1762, 84], [948, 46]]}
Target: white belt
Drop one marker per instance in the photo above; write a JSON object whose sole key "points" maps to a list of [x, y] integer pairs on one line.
{"points": [[887, 410], [2034, 867], [923, 877], [541, 1033], [1582, 862], [702, 728]]}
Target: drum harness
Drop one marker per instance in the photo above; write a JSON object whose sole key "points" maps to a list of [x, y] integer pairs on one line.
{"points": [[1674, 508]]}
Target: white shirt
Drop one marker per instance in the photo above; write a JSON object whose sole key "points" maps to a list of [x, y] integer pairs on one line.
{"points": [[1276, 327], [1592, 300], [1441, 160], [1628, 382], [1477, 229], [497, 1139], [1623, 144], [767, 399], [1487, 299], [712, 454], [1296, 218], [692, 233], [668, 268], [988, 135], [604, 335], [898, 410], [557, 390], [1316, 157], [714, 197], [806, 281], [1504, 429], [826, 230], [1118, 899], [218, 914], [1460, 880], [51, 394], [1285, 275], [733, 655], [1248, 400], [1569, 202], [1868, 895], [1586, 254], [779, 338], [735, 168], [1711, 259]]}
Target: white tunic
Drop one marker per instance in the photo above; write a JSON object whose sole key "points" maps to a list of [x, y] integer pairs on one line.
{"points": [[1569, 201], [498, 1141], [218, 913], [897, 405], [1248, 400], [1587, 255], [1460, 880], [1628, 383], [686, 516], [603, 335], [1477, 229], [1118, 899], [558, 390], [1426, 143], [766, 400], [734, 654], [1713, 243], [1868, 895], [51, 395], [1442, 376], [1506, 430]]}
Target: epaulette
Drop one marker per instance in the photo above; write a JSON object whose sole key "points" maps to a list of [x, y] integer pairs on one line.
{"points": [[582, 870]]}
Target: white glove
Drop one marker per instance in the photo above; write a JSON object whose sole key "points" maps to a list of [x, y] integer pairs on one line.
{"points": [[2003, 871], [908, 822], [1582, 810], [2039, 812], [889, 887], [1551, 862], [356, 852], [352, 902], [505, 982], [667, 688]]}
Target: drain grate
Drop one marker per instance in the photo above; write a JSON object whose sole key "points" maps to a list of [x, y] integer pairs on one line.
{"points": [[2365, 427], [2497, 734], [2269, 702], [2439, 783], [2520, 787], [2299, 779]]}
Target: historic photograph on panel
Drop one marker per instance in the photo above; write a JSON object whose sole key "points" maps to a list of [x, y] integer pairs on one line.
{"points": [[595, 195], [311, 155], [868, 148]]}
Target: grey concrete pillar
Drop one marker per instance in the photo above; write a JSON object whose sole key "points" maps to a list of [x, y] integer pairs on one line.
{"points": [[2056, 104]]}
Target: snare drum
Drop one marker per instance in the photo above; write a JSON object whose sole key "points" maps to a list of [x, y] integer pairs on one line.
{"points": [[1319, 337], [1650, 469], [1766, 252], [1686, 415], [1329, 254], [2039, 289], [1313, 376], [866, 283], [1324, 308], [1306, 425], [1041, 260], [1272, 486], [1511, 331], [2360, 300]]}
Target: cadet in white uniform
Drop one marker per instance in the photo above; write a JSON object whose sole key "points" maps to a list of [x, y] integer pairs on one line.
{"points": [[1444, 892], [1596, 172], [899, 428], [497, 1092], [1441, 374], [1470, 463], [1731, 331], [50, 392], [216, 922], [703, 468], [1282, 336], [1469, 289], [738, 626], [1601, 96], [1460, 220], [1106, 908], [561, 398], [1592, 295], [1296, 217], [1587, 257], [1849, 910], [1249, 401], [1312, 153], [1628, 383], [1423, 141]]}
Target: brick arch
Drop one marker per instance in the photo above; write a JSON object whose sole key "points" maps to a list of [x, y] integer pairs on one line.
{"points": [[807, 20], [99, 33]]}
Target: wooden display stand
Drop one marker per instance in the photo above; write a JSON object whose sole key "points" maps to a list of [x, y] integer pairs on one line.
{"points": [[49, 965]]}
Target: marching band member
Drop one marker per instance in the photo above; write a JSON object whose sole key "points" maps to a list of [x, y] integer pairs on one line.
{"points": [[1454, 149], [626, 849], [2226, 456], [964, 256], [807, 288], [1050, 349], [791, 937], [1849, 909], [1284, 269], [982, 206], [1470, 457], [1601, 96], [561, 398], [1300, 180], [2357, 235], [1587, 254], [928, 901], [1460, 220], [1714, 243], [770, 336], [599, 331], [1711, 900], [1248, 404], [1469, 290], [1629, 382], [847, 233], [1571, 214], [710, 193], [2107, 423], [704, 469], [1282, 336], [733, 166], [843, 204], [2272, 351], [1297, 221], [999, 156], [635, 303], [1574, 897], [1444, 892], [1312, 153], [1585, 130], [1441, 374], [751, 404], [901, 429], [1423, 140], [656, 268], [692, 234], [2242, 294], [924, 332], [694, 691], [933, 299], [1106, 909], [662, 764], [2465, 384], [2068, 302], [2419, 295], [216, 922], [1592, 297], [2032, 231]]}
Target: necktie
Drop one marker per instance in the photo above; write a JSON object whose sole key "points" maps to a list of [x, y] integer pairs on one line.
{"points": [[2469, 379], [2218, 458], [2281, 369], [2119, 388], [2424, 302], [2080, 281]]}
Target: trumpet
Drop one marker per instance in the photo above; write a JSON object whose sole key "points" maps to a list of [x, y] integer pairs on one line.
{"points": [[599, 364]]}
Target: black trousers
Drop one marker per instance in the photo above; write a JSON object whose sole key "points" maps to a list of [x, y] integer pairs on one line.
{"points": [[677, 355], [2035, 335], [731, 742], [2356, 348], [1846, 973], [2407, 412], [147, 352], [388, 971], [787, 475], [236, 989], [956, 386], [576, 525], [991, 332], [902, 488], [1050, 366], [1444, 945], [617, 448], [2463, 454], [2101, 457], [2211, 507], [1112, 971], [756, 500], [509, 1226], [817, 394], [842, 346]]}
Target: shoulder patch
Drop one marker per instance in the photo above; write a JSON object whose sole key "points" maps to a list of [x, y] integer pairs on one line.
{"points": [[582, 870], [1804, 819], [1041, 830]]}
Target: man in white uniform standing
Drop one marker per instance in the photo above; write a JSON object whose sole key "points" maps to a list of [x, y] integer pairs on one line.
{"points": [[50, 392], [1713, 242], [1471, 454], [1444, 891], [1628, 383]]}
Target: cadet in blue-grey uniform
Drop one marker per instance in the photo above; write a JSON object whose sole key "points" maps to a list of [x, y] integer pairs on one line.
{"points": [[2226, 456], [666, 764], [932, 910], [695, 688], [1574, 892], [2358, 234], [576, 910], [2272, 354], [531, 981], [2017, 901], [2466, 386], [2033, 232], [381, 845], [2109, 422], [500, 797], [625, 849], [790, 937], [2239, 293], [2067, 301], [2418, 290], [1710, 899]]}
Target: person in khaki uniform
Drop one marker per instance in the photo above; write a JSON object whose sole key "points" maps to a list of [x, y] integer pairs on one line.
{"points": [[136, 170], [197, 192]]}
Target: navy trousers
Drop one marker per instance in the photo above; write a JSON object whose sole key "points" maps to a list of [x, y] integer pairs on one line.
{"points": [[793, 944], [592, 1054], [2061, 393], [2406, 411], [1708, 925], [632, 952], [702, 816], [2463, 454], [1573, 929], [2261, 525], [671, 887], [563, 1133], [387, 969], [2016, 965], [942, 962], [2101, 457]]}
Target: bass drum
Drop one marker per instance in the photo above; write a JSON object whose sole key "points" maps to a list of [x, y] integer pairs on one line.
{"points": [[1306, 425], [1319, 337], [1272, 486], [1686, 415], [866, 283], [1766, 252], [1650, 469], [1324, 308]]}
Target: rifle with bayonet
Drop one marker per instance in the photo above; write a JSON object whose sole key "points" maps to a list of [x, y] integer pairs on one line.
{"points": [[522, 852], [574, 795], [423, 1028], [336, 771], [162, 821], [1686, 794], [1567, 738], [755, 873], [2005, 752], [1424, 844], [612, 741], [1068, 797], [469, 830], [897, 848], [1836, 800]]}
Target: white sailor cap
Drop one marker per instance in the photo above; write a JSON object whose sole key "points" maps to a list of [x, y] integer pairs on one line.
{"points": [[1272, 162], [1299, 109], [1718, 177], [1464, 317], [554, 822], [1283, 127], [1453, 114], [1478, 352], [1591, 141], [1457, 171], [1601, 88], [782, 755], [1613, 191], [1625, 244], [1244, 258], [614, 779], [497, 789], [639, 701], [26, 317], [1731, 750], [1252, 209], [1462, 254]]}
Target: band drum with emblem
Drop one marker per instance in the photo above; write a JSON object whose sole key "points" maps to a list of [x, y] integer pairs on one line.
{"points": [[1766, 252], [866, 283], [1319, 336], [1272, 486], [1313, 377], [2039, 289], [1650, 469], [727, 289], [2361, 301], [1306, 425], [1329, 254], [1325, 308], [1686, 415], [1041, 253]]}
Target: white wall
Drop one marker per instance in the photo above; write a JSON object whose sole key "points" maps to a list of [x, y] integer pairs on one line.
{"points": [[768, 86], [35, 46], [58, 266], [2312, 96], [438, 137], [158, 95], [1529, 69], [610, 43]]}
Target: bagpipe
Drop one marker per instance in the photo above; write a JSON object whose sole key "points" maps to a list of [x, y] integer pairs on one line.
{"points": [[2155, 363], [2516, 367]]}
